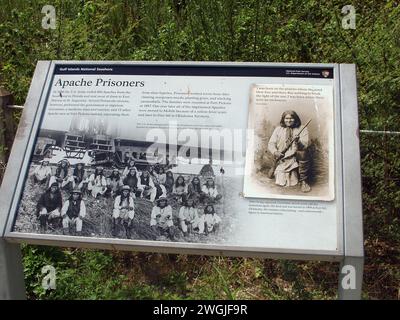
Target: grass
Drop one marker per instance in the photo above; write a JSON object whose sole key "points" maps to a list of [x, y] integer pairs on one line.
{"points": [[124, 275]]}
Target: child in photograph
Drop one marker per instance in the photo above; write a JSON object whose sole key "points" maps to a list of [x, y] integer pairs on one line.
{"points": [[156, 168], [124, 211], [188, 217], [97, 183], [161, 218], [132, 180], [209, 192], [211, 219], [169, 181], [114, 182], [49, 205], [73, 211], [167, 162], [158, 191], [145, 185], [80, 177], [179, 189], [194, 189], [42, 173], [68, 183], [130, 165], [290, 148], [162, 177], [153, 172]]}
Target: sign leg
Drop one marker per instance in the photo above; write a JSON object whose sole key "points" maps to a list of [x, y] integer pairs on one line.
{"points": [[12, 285], [350, 278]]}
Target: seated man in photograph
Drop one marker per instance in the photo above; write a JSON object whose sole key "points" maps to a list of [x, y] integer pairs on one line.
{"points": [[207, 170], [97, 183], [81, 179], [161, 218], [114, 182], [188, 217], [42, 173], [288, 144], [209, 192], [49, 206], [124, 211], [72, 212], [62, 175], [211, 219]]}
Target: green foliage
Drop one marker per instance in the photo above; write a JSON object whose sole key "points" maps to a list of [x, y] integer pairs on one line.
{"points": [[223, 30], [79, 274]]}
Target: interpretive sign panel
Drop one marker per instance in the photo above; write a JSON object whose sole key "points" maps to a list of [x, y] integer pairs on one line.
{"points": [[216, 158]]}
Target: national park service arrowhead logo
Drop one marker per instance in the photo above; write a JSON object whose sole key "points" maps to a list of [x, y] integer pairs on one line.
{"points": [[325, 73]]}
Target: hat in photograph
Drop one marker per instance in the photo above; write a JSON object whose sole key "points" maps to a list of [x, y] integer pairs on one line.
{"points": [[76, 190], [54, 184], [126, 187], [162, 198]]}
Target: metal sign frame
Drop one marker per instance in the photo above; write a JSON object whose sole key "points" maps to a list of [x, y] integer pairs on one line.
{"points": [[347, 168]]}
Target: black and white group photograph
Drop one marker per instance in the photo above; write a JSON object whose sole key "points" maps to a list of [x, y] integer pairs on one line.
{"points": [[90, 183], [290, 152]]}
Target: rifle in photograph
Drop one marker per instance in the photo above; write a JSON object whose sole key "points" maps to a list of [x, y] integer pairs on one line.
{"points": [[276, 160]]}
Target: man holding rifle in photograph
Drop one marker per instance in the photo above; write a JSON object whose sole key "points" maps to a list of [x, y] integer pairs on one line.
{"points": [[288, 144]]}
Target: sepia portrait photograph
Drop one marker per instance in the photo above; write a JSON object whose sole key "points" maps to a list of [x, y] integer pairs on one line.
{"points": [[290, 147]]}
